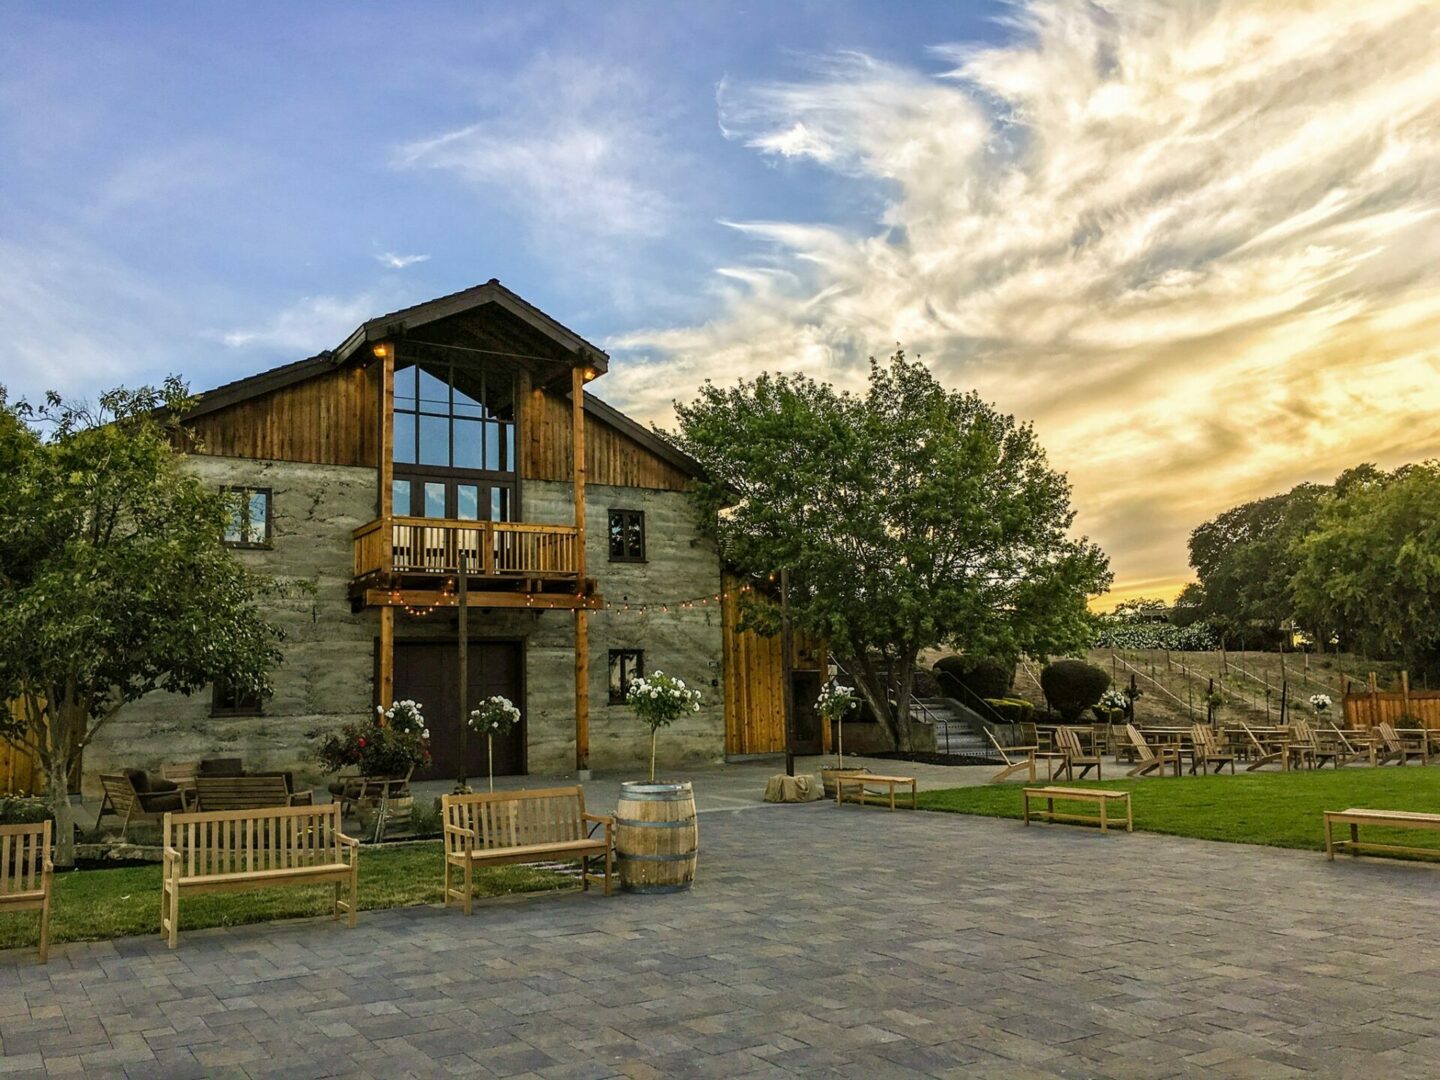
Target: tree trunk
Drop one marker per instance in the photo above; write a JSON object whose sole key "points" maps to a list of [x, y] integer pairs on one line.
{"points": [[57, 780], [871, 686], [904, 690]]}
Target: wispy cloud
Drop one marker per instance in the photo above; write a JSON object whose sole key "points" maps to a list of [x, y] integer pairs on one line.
{"points": [[1196, 243], [308, 325], [399, 262], [575, 149]]}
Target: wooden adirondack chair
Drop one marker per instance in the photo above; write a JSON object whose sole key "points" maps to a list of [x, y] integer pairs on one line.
{"points": [[1321, 750], [1265, 753], [1208, 749], [1345, 750], [1152, 759], [1303, 749], [1398, 748], [1072, 754], [1018, 759]]}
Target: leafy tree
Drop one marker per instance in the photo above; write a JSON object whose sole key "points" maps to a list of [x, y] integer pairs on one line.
{"points": [[1245, 561], [1370, 567], [113, 578], [909, 516]]}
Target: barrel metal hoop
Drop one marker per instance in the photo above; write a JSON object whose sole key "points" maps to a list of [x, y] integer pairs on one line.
{"points": [[683, 857], [687, 823]]}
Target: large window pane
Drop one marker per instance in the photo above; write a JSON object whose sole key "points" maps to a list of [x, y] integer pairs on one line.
{"points": [[492, 445], [405, 438], [434, 499], [465, 405], [467, 444], [434, 394], [434, 440], [499, 504], [467, 502], [507, 449], [405, 387], [400, 497], [259, 523]]}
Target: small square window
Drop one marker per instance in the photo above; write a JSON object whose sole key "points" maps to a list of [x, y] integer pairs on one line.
{"points": [[627, 536], [249, 522], [626, 665], [225, 700]]}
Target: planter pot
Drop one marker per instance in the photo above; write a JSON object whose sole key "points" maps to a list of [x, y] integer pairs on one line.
{"points": [[656, 837], [827, 778]]}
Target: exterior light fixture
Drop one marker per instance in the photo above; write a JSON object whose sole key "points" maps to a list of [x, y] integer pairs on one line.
{"points": [[381, 350], [591, 373]]}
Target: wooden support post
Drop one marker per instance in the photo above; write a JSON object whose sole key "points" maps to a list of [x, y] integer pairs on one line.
{"points": [[787, 647], [1405, 696], [462, 599], [1374, 700], [582, 693], [582, 617], [386, 465], [385, 683]]}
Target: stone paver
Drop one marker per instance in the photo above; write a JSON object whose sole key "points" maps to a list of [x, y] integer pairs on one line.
{"points": [[818, 941]]}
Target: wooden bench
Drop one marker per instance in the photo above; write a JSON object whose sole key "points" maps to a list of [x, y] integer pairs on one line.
{"points": [[217, 793], [861, 779], [232, 850], [26, 873], [1096, 795], [501, 827], [1357, 816]]}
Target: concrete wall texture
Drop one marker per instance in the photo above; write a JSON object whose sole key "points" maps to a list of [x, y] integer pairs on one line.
{"points": [[327, 677]]}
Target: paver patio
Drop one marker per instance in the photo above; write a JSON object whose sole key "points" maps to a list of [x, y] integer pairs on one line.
{"points": [[818, 941]]}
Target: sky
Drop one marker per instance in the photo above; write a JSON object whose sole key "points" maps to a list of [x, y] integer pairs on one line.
{"points": [[1195, 243]]}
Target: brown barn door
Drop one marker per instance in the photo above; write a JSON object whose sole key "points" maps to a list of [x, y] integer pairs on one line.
{"points": [[428, 672], [806, 732]]}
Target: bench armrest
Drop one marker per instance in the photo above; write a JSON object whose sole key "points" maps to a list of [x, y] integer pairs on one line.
{"points": [[470, 837], [599, 820], [347, 841]]}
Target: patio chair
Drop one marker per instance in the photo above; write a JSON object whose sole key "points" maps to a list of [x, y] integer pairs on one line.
{"points": [[133, 795], [1016, 759], [1152, 759], [1392, 746], [1072, 753], [1321, 747], [1207, 750], [1264, 753]]}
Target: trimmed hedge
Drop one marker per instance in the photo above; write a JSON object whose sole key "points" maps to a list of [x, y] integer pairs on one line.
{"points": [[1012, 710], [968, 677], [1072, 686]]}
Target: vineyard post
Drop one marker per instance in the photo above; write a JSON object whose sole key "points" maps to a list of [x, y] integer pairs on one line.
{"points": [[1210, 704]]}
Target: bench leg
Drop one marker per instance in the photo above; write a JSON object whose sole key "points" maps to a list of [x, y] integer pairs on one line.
{"points": [[45, 928], [1355, 840], [1025, 807], [447, 882], [892, 798], [1329, 839], [174, 936], [469, 898], [335, 908], [1129, 821], [609, 862], [1104, 823], [584, 873], [354, 889]]}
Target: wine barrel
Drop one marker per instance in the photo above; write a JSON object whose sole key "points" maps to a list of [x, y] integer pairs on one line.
{"points": [[656, 837]]}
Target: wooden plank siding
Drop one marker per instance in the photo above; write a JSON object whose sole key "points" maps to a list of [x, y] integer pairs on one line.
{"points": [[754, 677], [611, 457], [20, 772], [331, 419], [1418, 708]]}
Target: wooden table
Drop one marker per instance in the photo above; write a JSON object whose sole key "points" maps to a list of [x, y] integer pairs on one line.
{"points": [[861, 779], [1100, 796]]}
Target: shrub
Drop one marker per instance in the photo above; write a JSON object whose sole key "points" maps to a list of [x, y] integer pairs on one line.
{"points": [[23, 809], [925, 684], [968, 677], [1115, 634], [1011, 710], [1072, 686]]}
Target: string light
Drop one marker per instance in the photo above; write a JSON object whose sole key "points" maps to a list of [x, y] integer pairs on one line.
{"points": [[666, 606]]}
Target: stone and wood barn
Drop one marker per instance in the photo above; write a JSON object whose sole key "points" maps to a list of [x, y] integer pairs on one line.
{"points": [[461, 428]]}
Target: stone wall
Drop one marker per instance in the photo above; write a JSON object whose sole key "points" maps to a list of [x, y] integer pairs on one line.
{"points": [[326, 677]]}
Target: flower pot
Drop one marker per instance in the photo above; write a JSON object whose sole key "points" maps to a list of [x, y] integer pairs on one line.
{"points": [[827, 777], [397, 811], [656, 837]]}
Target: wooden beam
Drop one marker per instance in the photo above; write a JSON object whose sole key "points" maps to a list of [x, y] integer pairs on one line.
{"points": [[577, 442], [566, 601], [386, 470], [385, 681], [582, 692]]}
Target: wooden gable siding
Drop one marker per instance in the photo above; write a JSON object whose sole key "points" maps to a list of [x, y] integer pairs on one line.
{"points": [[331, 419], [611, 457]]}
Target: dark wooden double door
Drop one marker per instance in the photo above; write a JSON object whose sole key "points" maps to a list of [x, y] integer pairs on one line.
{"points": [[429, 672]]}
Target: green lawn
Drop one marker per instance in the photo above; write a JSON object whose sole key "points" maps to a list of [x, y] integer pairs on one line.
{"points": [[90, 905], [1275, 809]]}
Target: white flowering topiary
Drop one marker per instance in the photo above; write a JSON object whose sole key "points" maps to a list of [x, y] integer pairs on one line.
{"points": [[1113, 700], [660, 700], [1320, 702], [495, 716]]}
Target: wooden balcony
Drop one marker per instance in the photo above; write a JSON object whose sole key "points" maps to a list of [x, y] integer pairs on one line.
{"points": [[398, 550]]}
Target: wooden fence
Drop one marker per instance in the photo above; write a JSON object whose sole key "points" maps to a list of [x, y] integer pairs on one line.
{"points": [[1364, 708], [20, 772]]}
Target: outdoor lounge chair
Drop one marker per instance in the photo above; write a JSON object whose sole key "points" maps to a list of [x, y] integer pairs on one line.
{"points": [[133, 795], [1016, 759], [1392, 746], [1152, 759], [1320, 750], [1207, 750], [1265, 753], [1071, 754]]}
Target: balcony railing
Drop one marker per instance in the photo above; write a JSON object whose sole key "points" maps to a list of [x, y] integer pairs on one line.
{"points": [[410, 546]]}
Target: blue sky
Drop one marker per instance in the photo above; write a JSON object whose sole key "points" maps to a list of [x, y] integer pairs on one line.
{"points": [[1196, 242]]}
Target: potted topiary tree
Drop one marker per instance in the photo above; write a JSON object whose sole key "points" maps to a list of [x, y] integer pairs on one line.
{"points": [[385, 751], [495, 716], [655, 833], [834, 702]]}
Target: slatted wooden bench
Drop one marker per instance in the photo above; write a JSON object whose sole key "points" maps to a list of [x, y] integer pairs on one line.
{"points": [[501, 827], [1395, 819], [247, 792], [1100, 796], [859, 780], [26, 873], [233, 850]]}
